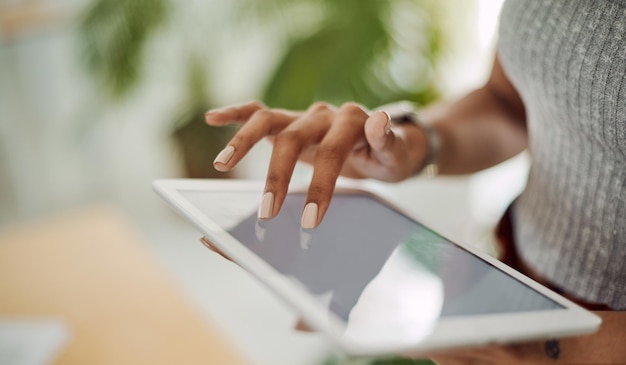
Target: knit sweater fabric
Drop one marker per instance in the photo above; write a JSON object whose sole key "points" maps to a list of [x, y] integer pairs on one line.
{"points": [[567, 60]]}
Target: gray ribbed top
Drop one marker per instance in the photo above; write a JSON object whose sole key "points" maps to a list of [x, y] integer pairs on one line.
{"points": [[567, 59]]}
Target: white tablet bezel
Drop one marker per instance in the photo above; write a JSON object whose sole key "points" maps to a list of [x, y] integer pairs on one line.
{"points": [[448, 333]]}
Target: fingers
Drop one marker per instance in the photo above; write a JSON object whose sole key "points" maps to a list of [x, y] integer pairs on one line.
{"points": [[395, 152], [232, 114], [343, 135], [307, 130], [378, 132], [385, 148], [262, 123], [205, 241], [324, 136], [302, 326]]}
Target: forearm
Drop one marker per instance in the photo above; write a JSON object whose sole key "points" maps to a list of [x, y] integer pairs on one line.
{"points": [[476, 132], [482, 129], [603, 347]]}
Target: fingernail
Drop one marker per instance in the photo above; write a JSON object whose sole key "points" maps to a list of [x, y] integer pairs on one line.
{"points": [[387, 128], [309, 216], [225, 156], [267, 206], [388, 125]]}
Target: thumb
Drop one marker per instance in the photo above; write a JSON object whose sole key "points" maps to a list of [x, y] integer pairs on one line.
{"points": [[378, 132], [302, 326], [389, 148]]}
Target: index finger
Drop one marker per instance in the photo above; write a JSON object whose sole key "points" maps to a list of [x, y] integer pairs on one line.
{"points": [[232, 114], [333, 151]]}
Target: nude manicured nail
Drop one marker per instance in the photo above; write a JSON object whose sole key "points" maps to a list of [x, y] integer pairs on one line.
{"points": [[267, 206], [309, 216], [225, 155], [388, 125]]}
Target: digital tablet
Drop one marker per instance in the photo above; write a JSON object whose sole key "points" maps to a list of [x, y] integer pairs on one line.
{"points": [[372, 278]]}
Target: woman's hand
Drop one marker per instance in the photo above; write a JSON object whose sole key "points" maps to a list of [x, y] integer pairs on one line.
{"points": [[348, 141], [606, 346]]}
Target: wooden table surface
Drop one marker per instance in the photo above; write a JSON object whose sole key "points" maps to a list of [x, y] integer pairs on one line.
{"points": [[90, 268]]}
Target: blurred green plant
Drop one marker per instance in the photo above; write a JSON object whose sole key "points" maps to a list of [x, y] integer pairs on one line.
{"points": [[362, 50], [369, 51], [113, 36], [196, 139]]}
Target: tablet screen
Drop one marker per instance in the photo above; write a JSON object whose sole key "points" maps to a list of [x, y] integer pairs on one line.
{"points": [[366, 260]]}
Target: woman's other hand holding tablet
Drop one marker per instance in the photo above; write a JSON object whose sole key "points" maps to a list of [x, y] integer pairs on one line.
{"points": [[601, 347], [349, 141]]}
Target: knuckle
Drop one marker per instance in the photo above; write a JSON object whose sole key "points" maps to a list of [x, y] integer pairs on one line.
{"points": [[263, 115], [288, 136], [319, 106], [241, 139], [329, 152], [256, 104], [353, 108], [272, 181], [318, 190]]}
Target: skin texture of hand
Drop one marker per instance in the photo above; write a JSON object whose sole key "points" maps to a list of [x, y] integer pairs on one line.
{"points": [[478, 131], [348, 141]]}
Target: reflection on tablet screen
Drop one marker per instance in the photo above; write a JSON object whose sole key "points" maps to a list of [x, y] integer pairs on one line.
{"points": [[369, 263]]}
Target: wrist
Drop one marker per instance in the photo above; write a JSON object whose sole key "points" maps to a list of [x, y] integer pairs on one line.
{"points": [[427, 138]]}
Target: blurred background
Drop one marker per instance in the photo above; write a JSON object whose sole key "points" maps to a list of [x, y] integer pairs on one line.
{"points": [[100, 97]]}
